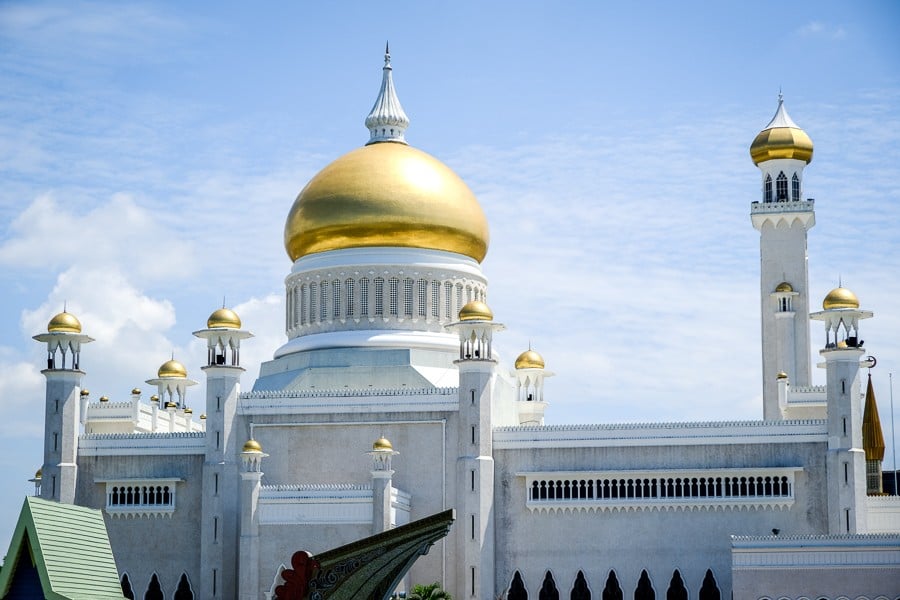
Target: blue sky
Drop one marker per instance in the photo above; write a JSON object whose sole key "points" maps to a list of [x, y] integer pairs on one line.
{"points": [[149, 154]]}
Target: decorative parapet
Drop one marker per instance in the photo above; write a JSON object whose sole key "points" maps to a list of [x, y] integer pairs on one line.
{"points": [[140, 497], [815, 551], [883, 514], [528, 437], [662, 489], [321, 504], [806, 395], [777, 212], [142, 444], [349, 400]]}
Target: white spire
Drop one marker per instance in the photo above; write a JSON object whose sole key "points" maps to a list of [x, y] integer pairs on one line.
{"points": [[386, 121], [781, 118]]}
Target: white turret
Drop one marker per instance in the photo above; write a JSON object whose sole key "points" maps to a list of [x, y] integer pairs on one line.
{"points": [[781, 151], [386, 121], [530, 374]]}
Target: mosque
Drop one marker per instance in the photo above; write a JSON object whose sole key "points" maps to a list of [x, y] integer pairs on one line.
{"points": [[390, 340]]}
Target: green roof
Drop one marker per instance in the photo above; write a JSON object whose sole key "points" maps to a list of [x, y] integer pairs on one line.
{"points": [[71, 552]]}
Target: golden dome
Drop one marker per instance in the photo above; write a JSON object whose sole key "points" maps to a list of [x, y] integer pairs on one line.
{"points": [[64, 322], [39, 473], [203, 417], [784, 286], [382, 444], [530, 360], [781, 375], [172, 368], [386, 194], [188, 411], [781, 138], [252, 446], [171, 405], [840, 297], [136, 391], [154, 398], [223, 317], [104, 398], [476, 311], [85, 393]]}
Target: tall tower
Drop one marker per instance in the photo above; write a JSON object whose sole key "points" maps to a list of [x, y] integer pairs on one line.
{"points": [[62, 412], [219, 528], [251, 478], [475, 466], [781, 151], [845, 461], [530, 374]]}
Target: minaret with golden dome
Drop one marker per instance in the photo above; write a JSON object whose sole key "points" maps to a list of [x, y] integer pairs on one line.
{"points": [[530, 372], [845, 457], [781, 151], [62, 407]]}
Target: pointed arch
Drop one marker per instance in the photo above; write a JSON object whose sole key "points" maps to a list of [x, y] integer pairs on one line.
{"points": [[127, 590], [709, 590], [517, 588], [644, 589], [580, 589], [612, 590], [767, 189], [676, 590], [795, 188], [183, 591], [548, 588], [781, 191], [154, 590]]}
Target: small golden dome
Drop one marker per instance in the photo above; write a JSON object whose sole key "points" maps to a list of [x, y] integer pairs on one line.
{"points": [[85, 393], [203, 417], [382, 444], [64, 322], [39, 473], [154, 398], [530, 360], [781, 138], [172, 368], [136, 391], [782, 375], [784, 286], [840, 297], [104, 398], [188, 411], [171, 405], [223, 317], [252, 445], [476, 311], [386, 194]]}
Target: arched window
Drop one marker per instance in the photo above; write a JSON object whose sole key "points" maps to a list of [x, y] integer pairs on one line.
{"points": [[795, 188], [781, 187], [313, 297], [767, 189], [379, 297], [304, 303], [709, 590], [349, 296], [517, 589], [676, 590], [323, 301], [435, 298], [408, 297], [644, 590], [423, 298], [336, 292], [448, 303], [127, 591], [612, 591], [364, 297], [394, 293], [580, 590], [183, 591], [548, 588], [154, 590]]}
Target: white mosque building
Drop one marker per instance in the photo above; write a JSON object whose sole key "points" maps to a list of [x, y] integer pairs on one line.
{"points": [[390, 338]]}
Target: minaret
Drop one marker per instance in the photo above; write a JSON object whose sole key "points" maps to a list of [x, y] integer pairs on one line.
{"points": [[845, 461], [873, 442], [62, 412], [251, 478], [530, 374], [219, 528], [382, 453], [475, 466], [781, 151], [387, 122]]}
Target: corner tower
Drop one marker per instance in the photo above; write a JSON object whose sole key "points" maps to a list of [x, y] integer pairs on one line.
{"points": [[781, 151]]}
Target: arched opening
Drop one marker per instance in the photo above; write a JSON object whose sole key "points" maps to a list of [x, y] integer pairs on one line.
{"points": [[676, 589], [709, 590], [781, 193], [548, 588], [184, 591], [612, 590], [154, 590], [517, 588], [127, 590], [795, 188], [767, 189], [580, 590], [644, 590]]}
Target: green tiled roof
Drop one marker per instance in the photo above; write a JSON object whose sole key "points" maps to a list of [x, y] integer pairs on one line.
{"points": [[71, 552]]}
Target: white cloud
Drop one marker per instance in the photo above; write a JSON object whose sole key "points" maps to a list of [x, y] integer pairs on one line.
{"points": [[819, 29]]}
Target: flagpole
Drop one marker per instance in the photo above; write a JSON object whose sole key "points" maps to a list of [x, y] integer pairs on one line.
{"points": [[893, 434]]}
